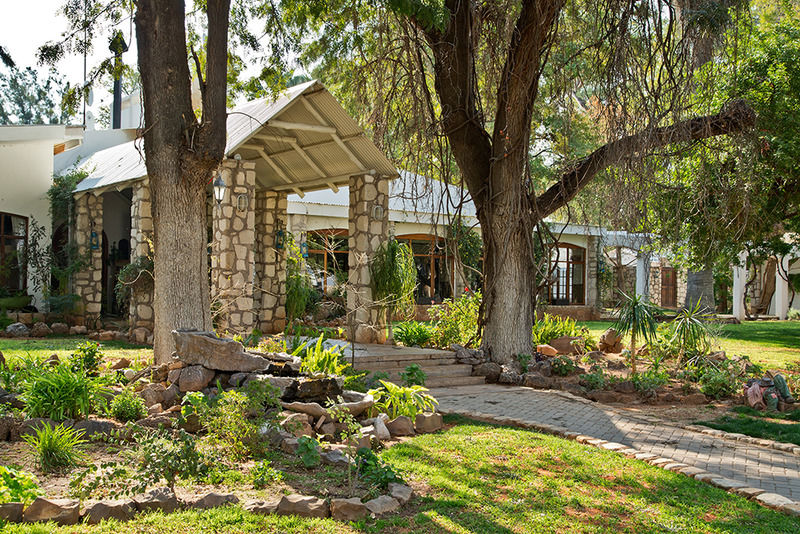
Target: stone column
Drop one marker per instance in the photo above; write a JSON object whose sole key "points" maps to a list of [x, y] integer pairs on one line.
{"points": [[270, 291], [141, 314], [369, 224], [88, 283], [642, 272], [592, 286], [739, 280], [782, 288], [232, 260], [655, 283]]}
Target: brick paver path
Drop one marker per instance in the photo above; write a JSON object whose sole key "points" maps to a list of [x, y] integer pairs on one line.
{"points": [[759, 467]]}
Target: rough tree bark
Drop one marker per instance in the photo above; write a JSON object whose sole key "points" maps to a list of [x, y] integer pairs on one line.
{"points": [[494, 166], [700, 288], [181, 153]]}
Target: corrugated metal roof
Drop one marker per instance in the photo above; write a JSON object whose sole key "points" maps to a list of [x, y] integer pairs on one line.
{"points": [[327, 147]]}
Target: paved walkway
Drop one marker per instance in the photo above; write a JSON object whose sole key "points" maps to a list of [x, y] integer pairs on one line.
{"points": [[765, 468]]}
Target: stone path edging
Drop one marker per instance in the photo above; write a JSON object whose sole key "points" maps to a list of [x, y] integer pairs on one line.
{"points": [[770, 500]]}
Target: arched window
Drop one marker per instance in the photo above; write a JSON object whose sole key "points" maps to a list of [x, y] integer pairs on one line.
{"points": [[567, 275], [13, 239]]}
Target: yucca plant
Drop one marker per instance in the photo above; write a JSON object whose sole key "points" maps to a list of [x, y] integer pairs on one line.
{"points": [[397, 400], [691, 331], [394, 278], [56, 447], [636, 316]]}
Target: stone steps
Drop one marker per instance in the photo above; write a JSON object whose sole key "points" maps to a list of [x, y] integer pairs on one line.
{"points": [[440, 366], [453, 381]]}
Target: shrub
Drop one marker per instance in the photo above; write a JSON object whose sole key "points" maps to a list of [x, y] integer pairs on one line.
{"points": [[456, 321], [719, 381], [649, 380], [413, 333], [374, 471], [87, 358], [325, 360], [375, 379], [264, 475], [355, 381], [596, 379], [552, 326], [17, 485], [524, 360], [308, 451], [128, 406], [562, 365], [690, 332], [227, 425], [395, 400], [56, 447], [61, 393], [413, 376]]}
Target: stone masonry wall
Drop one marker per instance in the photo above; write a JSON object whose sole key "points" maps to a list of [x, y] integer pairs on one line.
{"points": [[592, 287], [369, 224], [141, 313], [232, 260], [270, 262], [88, 283]]}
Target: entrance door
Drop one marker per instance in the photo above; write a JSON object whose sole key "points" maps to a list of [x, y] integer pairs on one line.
{"points": [[669, 288]]}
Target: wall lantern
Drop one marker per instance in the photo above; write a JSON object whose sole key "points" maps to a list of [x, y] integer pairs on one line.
{"points": [[304, 249], [242, 202], [377, 212], [219, 188], [280, 236], [94, 241]]}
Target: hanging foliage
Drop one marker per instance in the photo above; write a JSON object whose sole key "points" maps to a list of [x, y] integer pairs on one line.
{"points": [[394, 278]]}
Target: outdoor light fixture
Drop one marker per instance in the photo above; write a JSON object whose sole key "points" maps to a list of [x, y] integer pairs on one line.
{"points": [[304, 249], [219, 188], [279, 238], [242, 202]]}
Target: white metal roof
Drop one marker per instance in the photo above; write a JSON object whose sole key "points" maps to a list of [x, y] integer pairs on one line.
{"points": [[302, 141]]}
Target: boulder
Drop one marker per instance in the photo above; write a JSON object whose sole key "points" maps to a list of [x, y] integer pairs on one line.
{"points": [[40, 330], [566, 344], [262, 507], [382, 505], [427, 422], [155, 421], [122, 363], [303, 506], [606, 397], [11, 512], [194, 378], [107, 335], [694, 398], [78, 330], [334, 457], [213, 500], [161, 499], [17, 330], [316, 410], [121, 510], [286, 385], [509, 377], [154, 409], [96, 428], [317, 389], [625, 386], [237, 378], [536, 380], [401, 426], [298, 424], [467, 356], [61, 511], [139, 335], [212, 352], [547, 350], [159, 373], [153, 394], [61, 329], [348, 509], [289, 445], [171, 395], [544, 368], [7, 424], [401, 492], [381, 431], [490, 370], [610, 341]]}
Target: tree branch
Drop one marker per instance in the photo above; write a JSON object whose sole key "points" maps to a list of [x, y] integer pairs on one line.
{"points": [[735, 117], [215, 96]]}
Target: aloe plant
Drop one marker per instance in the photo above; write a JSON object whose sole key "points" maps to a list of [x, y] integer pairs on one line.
{"points": [[691, 330], [636, 316]]}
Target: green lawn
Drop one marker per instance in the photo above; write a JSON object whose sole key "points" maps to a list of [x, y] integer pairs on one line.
{"points": [[482, 478], [39, 349], [765, 425]]}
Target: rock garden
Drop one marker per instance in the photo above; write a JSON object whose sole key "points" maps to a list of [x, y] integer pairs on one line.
{"points": [[277, 429]]}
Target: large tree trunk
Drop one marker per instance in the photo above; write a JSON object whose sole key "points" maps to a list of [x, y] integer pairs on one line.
{"points": [[700, 288]]}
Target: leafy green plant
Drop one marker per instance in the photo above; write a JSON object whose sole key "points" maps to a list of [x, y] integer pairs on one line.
{"points": [[413, 333], [552, 326], [394, 277], [562, 365], [636, 317], [355, 381], [524, 360], [349, 435], [194, 403], [396, 400], [301, 297], [374, 471], [308, 451], [61, 393], [87, 358], [326, 360], [649, 380], [228, 427], [264, 475], [793, 314], [127, 406], [720, 381], [56, 447], [413, 376], [690, 331], [375, 379], [17, 485], [456, 320], [597, 379]]}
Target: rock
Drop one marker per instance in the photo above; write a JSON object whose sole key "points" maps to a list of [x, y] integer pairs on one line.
{"points": [[773, 500], [625, 386], [61, 511], [401, 426], [121, 510], [237, 378], [17, 330], [314, 409], [382, 505], [214, 500], [467, 356], [547, 350], [348, 509], [316, 389], [334, 457], [162, 499], [694, 398], [427, 422], [129, 374], [153, 394], [401, 492], [616, 366], [298, 424], [303, 506], [175, 364], [6, 426], [566, 344], [668, 397], [490, 370], [40, 330], [122, 363], [289, 445], [78, 330], [212, 352], [329, 429], [285, 385], [536, 380], [194, 378], [610, 341], [160, 373], [155, 409], [60, 329], [174, 376], [606, 397], [544, 368], [139, 335], [717, 356], [381, 431], [155, 421], [96, 428], [262, 507], [11, 512], [107, 335], [509, 377], [171, 394]]}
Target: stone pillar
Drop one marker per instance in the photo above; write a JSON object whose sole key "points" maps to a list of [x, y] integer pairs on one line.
{"points": [[88, 283], [141, 313], [368, 227], [270, 290], [232, 260], [642, 272], [655, 283], [592, 286], [782, 288], [739, 280]]}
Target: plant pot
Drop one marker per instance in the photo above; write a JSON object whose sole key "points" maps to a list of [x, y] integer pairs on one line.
{"points": [[13, 303]]}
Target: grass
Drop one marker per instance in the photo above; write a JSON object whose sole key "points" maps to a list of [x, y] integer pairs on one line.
{"points": [[41, 349], [765, 425], [476, 477]]}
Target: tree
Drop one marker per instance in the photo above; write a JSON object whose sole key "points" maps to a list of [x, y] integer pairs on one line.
{"points": [[25, 98]]}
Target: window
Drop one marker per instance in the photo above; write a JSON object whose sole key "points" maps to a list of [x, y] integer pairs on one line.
{"points": [[13, 238], [567, 275], [433, 267], [327, 253]]}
